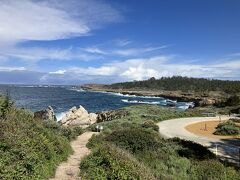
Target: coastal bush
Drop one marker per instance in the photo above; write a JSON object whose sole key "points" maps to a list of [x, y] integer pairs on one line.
{"points": [[236, 110], [134, 140], [5, 106], [213, 169], [111, 162], [69, 132], [232, 101], [29, 149], [165, 159], [235, 120], [138, 114], [192, 150], [150, 124], [227, 128]]}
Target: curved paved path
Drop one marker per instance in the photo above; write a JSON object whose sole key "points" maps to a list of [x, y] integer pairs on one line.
{"points": [[226, 149], [69, 170]]}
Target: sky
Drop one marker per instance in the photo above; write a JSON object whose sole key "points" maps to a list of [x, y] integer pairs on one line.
{"points": [[107, 41]]}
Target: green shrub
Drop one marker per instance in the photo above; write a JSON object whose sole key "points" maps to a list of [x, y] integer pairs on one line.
{"points": [[134, 140], [235, 120], [111, 162], [69, 132], [193, 150], [212, 169], [166, 159], [5, 105], [29, 148], [150, 124], [233, 101], [227, 128]]}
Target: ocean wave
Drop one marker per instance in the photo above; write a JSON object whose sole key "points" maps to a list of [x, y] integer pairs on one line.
{"points": [[60, 115], [78, 90], [131, 95], [29, 86], [40, 86], [140, 102], [184, 107]]}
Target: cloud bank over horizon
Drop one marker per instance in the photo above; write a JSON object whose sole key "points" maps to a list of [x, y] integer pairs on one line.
{"points": [[71, 42]]}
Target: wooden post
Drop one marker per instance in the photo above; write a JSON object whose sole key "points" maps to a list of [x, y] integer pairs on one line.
{"points": [[205, 128]]}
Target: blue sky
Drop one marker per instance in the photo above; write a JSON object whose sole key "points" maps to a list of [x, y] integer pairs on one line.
{"points": [[105, 41]]}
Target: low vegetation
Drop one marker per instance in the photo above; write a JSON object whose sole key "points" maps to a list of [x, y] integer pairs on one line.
{"points": [[131, 148], [227, 129], [110, 162], [145, 115], [30, 148]]}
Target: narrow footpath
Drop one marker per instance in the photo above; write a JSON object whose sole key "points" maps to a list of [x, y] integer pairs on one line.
{"points": [[69, 170]]}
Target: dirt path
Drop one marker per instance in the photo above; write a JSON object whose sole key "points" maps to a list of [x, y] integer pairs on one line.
{"points": [[69, 169]]}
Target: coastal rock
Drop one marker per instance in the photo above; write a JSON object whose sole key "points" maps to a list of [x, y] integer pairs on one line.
{"points": [[110, 115], [207, 102], [46, 115], [78, 117]]}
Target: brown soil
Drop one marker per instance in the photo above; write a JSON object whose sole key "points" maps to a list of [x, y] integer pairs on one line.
{"points": [[207, 128]]}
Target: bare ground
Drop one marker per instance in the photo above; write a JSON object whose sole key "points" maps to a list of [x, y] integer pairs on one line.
{"points": [[207, 128], [69, 170]]}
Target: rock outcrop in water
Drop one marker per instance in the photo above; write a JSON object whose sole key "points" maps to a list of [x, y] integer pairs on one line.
{"points": [[46, 115], [78, 117]]}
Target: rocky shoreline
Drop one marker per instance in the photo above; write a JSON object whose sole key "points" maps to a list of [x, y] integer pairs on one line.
{"points": [[79, 116], [199, 99]]}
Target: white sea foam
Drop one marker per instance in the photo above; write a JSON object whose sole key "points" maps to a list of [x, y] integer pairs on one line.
{"points": [[130, 95], [184, 107], [78, 90], [60, 115], [140, 102]]}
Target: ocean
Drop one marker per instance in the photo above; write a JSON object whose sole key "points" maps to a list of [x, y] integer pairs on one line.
{"points": [[62, 98]]}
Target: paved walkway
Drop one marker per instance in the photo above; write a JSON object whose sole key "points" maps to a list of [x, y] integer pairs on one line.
{"points": [[226, 149], [69, 170]]}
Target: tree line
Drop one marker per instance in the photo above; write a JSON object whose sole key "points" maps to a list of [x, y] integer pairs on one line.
{"points": [[181, 83]]}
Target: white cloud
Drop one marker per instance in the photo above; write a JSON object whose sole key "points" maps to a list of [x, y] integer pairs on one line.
{"points": [[159, 66], [51, 19], [122, 42], [46, 20], [136, 51], [139, 73], [35, 54], [128, 70], [9, 69], [58, 72], [94, 50]]}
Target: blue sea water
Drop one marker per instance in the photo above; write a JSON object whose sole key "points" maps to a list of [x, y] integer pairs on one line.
{"points": [[62, 98]]}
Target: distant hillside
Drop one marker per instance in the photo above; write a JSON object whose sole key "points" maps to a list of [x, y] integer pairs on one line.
{"points": [[176, 83]]}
